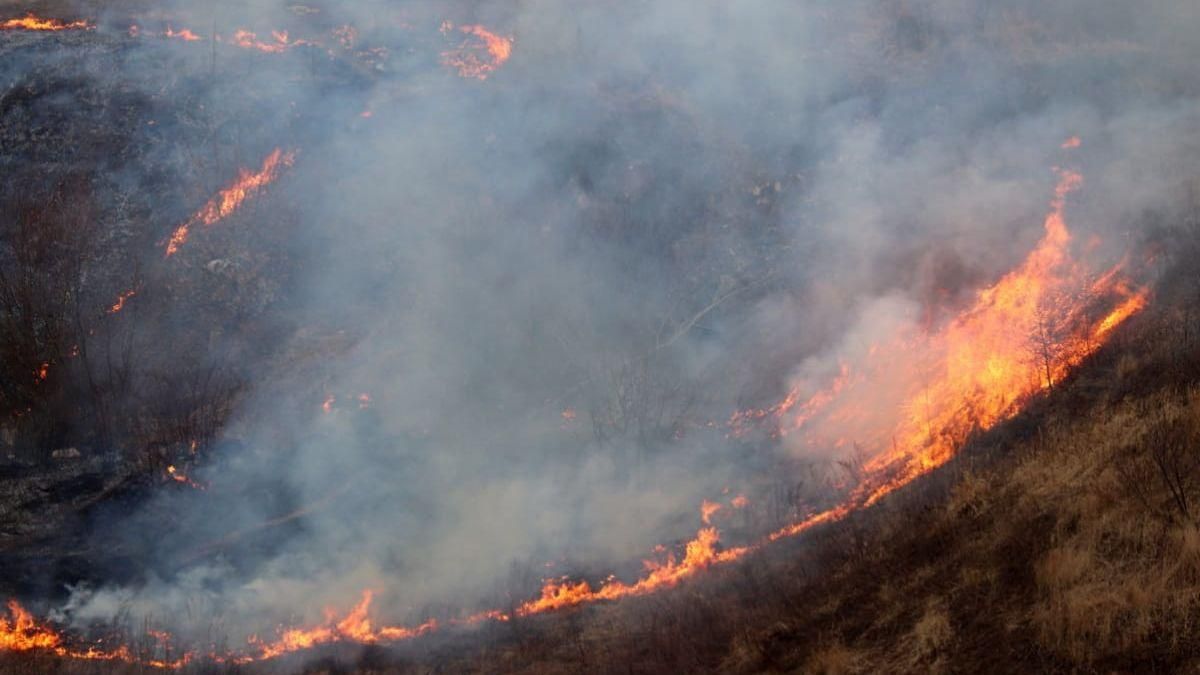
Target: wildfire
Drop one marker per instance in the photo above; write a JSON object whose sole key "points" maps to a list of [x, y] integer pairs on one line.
{"points": [[20, 632], [1019, 336], [227, 201], [35, 23], [481, 53], [917, 396]]}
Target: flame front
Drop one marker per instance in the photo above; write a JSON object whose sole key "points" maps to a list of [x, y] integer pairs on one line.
{"points": [[227, 201], [31, 22]]}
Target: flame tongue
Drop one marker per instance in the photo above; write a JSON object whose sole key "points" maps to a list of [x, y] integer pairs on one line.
{"points": [[915, 398], [248, 184], [34, 23]]}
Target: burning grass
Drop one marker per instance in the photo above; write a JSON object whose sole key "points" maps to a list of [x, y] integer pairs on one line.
{"points": [[970, 374], [1036, 550]]}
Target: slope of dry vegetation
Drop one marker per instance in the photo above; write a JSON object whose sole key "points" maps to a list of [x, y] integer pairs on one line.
{"points": [[1065, 541]]}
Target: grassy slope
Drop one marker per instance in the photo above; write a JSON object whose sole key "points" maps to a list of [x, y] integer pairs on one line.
{"points": [[1051, 545]]}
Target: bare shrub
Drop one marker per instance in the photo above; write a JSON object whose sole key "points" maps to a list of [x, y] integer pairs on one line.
{"points": [[1162, 468]]}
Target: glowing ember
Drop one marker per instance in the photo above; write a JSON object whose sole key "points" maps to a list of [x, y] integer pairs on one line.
{"points": [[34, 23], [121, 300], [248, 184], [346, 36], [481, 53], [1072, 142], [280, 42], [327, 404], [186, 35], [181, 478]]}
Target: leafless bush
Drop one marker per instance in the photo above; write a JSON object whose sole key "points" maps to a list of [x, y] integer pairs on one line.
{"points": [[1162, 468]]}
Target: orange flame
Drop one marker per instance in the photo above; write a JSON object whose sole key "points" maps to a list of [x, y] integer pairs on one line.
{"points": [[355, 626], [1020, 336], [186, 34], [248, 184], [20, 632], [971, 373], [121, 300], [247, 40], [481, 53], [34, 23], [182, 478]]}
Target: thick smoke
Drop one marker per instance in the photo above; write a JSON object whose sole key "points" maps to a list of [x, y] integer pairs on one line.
{"points": [[554, 286]]}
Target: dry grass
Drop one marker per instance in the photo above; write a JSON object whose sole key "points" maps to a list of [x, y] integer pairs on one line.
{"points": [[834, 659], [1055, 545]]}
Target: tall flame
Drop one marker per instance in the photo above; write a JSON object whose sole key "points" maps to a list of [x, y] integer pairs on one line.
{"points": [[248, 184]]}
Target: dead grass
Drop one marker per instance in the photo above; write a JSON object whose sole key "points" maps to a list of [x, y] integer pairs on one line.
{"points": [[1038, 553], [834, 659]]}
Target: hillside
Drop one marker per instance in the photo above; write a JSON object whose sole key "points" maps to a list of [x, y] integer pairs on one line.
{"points": [[1062, 541], [396, 336]]}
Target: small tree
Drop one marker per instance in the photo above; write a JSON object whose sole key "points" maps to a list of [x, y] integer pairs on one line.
{"points": [[1048, 338]]}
